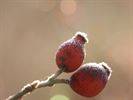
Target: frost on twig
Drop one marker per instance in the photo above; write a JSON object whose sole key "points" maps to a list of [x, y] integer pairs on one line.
{"points": [[50, 81]]}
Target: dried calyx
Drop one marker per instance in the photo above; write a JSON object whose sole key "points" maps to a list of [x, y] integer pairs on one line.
{"points": [[81, 37]]}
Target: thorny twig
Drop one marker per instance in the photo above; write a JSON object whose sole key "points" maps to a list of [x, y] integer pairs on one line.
{"points": [[50, 81]]}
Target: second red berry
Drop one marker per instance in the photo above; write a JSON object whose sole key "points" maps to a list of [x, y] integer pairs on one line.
{"points": [[90, 79]]}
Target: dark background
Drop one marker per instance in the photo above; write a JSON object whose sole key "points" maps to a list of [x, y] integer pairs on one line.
{"points": [[32, 30]]}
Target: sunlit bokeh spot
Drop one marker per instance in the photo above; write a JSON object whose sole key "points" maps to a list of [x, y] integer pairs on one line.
{"points": [[59, 97], [68, 7]]}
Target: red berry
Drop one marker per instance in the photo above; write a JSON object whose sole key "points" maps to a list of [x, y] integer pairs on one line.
{"points": [[90, 79], [71, 53]]}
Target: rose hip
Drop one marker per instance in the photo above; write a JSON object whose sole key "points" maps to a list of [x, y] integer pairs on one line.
{"points": [[71, 53], [90, 79]]}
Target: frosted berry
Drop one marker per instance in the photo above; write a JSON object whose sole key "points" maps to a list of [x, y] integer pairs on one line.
{"points": [[90, 79], [71, 53]]}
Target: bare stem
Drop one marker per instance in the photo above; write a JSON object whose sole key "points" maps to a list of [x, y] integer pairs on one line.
{"points": [[27, 89]]}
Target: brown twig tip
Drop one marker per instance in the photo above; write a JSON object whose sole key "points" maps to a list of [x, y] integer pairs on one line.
{"points": [[24, 91], [27, 89]]}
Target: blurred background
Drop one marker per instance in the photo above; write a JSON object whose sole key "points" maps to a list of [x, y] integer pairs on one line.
{"points": [[32, 30]]}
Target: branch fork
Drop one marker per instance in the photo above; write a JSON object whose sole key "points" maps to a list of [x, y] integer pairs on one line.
{"points": [[50, 81]]}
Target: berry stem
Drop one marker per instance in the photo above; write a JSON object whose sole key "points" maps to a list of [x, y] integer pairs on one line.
{"points": [[50, 81]]}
